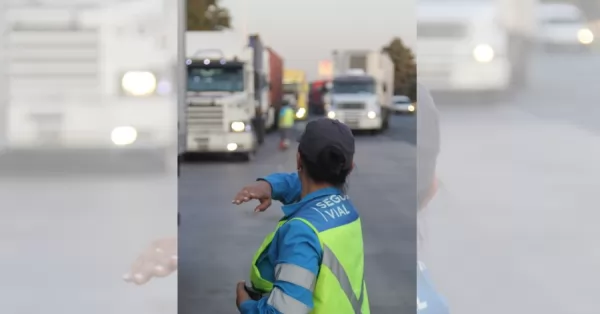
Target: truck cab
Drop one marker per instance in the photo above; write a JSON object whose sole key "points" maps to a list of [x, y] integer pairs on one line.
{"points": [[361, 90], [462, 47], [91, 76], [220, 106], [295, 90]]}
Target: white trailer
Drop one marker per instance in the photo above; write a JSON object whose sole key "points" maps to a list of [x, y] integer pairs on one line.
{"points": [[91, 75], [475, 45], [220, 105], [360, 94]]}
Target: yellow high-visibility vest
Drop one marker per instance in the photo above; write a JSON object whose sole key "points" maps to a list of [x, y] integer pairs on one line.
{"points": [[286, 117], [340, 286]]}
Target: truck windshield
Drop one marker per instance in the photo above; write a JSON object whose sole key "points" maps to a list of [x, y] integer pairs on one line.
{"points": [[215, 79], [290, 88], [353, 88]]}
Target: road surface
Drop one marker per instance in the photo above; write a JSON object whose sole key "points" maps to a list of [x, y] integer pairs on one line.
{"points": [[218, 240], [514, 227]]}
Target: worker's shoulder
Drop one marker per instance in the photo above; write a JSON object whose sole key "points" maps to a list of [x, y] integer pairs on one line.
{"points": [[329, 212]]}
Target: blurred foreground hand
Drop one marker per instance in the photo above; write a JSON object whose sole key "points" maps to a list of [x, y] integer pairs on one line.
{"points": [[260, 190], [159, 260]]}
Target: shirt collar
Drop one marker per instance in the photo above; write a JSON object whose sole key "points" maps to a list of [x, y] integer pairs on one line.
{"points": [[291, 209]]}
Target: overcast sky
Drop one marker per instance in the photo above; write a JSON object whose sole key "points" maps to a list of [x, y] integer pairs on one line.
{"points": [[304, 32]]}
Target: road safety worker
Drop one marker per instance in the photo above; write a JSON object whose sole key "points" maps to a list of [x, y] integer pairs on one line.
{"points": [[429, 301], [313, 262], [286, 124]]}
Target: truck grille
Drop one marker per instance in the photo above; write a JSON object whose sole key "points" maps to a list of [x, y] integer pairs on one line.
{"points": [[351, 119], [53, 64], [204, 119], [441, 30], [351, 106], [433, 71]]}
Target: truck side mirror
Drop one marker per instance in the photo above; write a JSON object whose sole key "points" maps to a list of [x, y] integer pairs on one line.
{"points": [[270, 86], [324, 89], [384, 88]]}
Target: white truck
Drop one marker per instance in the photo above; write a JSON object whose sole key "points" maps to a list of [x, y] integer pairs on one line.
{"points": [[92, 76], [475, 45], [360, 94], [220, 110]]}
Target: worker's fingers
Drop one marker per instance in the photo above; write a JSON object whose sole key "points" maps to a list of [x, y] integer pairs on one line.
{"points": [[166, 264], [243, 196], [264, 204], [241, 286], [139, 276]]}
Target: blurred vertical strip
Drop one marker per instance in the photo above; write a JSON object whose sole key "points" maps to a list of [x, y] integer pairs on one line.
{"points": [[4, 97], [591, 9]]}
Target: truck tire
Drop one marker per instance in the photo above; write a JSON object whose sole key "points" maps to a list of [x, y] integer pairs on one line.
{"points": [[259, 130], [520, 49], [247, 157], [385, 124]]}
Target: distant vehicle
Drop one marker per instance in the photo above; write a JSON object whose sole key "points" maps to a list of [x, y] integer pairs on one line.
{"points": [[295, 85], [275, 85], [563, 24], [360, 94], [403, 104], [91, 76], [316, 97], [221, 108], [475, 45]]}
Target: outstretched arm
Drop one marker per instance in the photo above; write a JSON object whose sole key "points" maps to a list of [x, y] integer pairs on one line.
{"points": [[285, 187]]}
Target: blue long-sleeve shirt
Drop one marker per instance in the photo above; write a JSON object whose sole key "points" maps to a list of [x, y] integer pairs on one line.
{"points": [[295, 243]]}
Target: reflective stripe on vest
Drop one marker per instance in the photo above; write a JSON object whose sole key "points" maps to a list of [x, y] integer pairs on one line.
{"points": [[338, 271], [305, 278], [297, 275], [286, 304]]}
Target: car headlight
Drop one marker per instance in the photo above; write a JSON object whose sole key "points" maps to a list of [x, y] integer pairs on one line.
{"points": [[331, 114], [585, 36], [300, 113], [123, 135], [483, 53], [238, 126], [371, 115], [411, 108], [139, 83]]}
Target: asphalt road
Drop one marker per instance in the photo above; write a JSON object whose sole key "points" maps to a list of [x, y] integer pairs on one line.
{"points": [[514, 226], [217, 239]]}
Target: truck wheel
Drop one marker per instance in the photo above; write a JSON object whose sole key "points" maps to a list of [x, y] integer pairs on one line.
{"points": [[385, 124], [247, 157], [259, 130]]}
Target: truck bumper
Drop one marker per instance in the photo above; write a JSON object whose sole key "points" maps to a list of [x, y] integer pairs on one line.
{"points": [[97, 125], [56, 161], [359, 120], [222, 143], [466, 76]]}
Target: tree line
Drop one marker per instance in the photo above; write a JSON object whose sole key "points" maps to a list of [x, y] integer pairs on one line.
{"points": [[208, 15]]}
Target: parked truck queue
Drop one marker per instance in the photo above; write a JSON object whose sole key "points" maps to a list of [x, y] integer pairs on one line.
{"points": [[236, 84]]}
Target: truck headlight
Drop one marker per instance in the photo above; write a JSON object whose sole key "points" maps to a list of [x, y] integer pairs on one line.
{"points": [[300, 113], [238, 126], [331, 114], [139, 83], [371, 115], [585, 36], [123, 135], [483, 53]]}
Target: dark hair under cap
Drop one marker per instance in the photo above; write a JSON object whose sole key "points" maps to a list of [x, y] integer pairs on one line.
{"points": [[428, 142]]}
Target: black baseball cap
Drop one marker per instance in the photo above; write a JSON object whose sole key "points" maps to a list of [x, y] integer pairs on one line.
{"points": [[324, 135]]}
